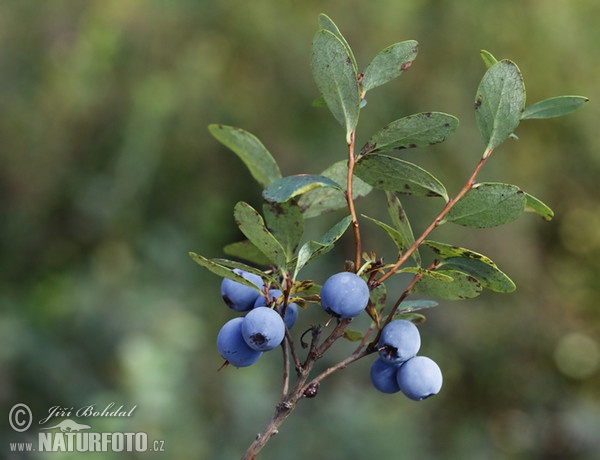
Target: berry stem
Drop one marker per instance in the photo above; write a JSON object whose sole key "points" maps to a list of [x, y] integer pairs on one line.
{"points": [[350, 201]]}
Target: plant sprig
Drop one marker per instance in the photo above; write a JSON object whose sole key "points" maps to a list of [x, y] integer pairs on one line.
{"points": [[274, 241]]}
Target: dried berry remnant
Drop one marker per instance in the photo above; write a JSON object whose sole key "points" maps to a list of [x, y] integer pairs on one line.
{"points": [[311, 390]]}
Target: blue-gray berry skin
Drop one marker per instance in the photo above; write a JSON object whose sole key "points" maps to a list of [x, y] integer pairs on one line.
{"points": [[238, 296], [291, 315], [232, 346], [383, 376], [344, 295], [399, 341], [263, 329], [291, 311], [419, 378]]}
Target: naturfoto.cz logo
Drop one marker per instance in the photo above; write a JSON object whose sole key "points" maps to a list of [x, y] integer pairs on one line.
{"points": [[69, 435]]}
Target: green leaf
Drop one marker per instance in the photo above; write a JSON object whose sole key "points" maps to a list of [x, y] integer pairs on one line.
{"points": [[286, 223], [447, 251], [353, 335], [319, 102], [250, 150], [408, 306], [327, 199], [252, 225], [313, 249], [554, 107], [394, 175], [532, 204], [418, 130], [245, 250], [325, 22], [389, 64], [224, 271], [461, 286], [396, 236], [499, 103], [438, 276], [288, 187], [490, 276], [488, 205], [231, 264], [415, 318], [378, 296], [401, 223], [488, 59], [335, 76]]}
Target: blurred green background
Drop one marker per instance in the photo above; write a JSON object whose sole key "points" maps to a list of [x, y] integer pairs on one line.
{"points": [[109, 177]]}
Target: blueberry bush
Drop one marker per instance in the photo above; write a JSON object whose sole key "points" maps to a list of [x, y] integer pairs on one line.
{"points": [[263, 283]]}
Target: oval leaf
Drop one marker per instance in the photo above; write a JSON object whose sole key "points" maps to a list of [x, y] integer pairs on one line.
{"points": [[408, 306], [395, 175], [389, 64], [288, 187], [250, 150], [335, 76], [352, 335], [418, 130], [499, 103], [532, 204], [553, 107], [245, 250], [447, 251], [286, 223], [327, 199], [461, 287], [488, 59], [489, 276], [225, 271], [396, 236], [252, 225], [326, 23], [401, 223], [488, 205], [313, 249]]}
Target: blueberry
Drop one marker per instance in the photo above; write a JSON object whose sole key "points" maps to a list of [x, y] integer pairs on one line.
{"points": [[238, 296], [344, 295], [419, 378], [232, 346], [291, 315], [291, 311], [383, 376], [263, 329], [399, 341]]}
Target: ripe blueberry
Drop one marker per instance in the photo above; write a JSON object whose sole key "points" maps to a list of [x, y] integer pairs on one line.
{"points": [[232, 346], [291, 311], [344, 295], [383, 376], [419, 378], [238, 296], [399, 341], [263, 329]]}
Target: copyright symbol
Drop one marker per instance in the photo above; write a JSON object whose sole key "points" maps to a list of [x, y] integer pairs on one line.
{"points": [[20, 417]]}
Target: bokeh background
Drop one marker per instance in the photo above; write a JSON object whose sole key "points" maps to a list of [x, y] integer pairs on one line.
{"points": [[109, 177]]}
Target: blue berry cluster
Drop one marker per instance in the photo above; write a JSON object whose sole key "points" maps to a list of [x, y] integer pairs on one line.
{"points": [[242, 340], [398, 368]]}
